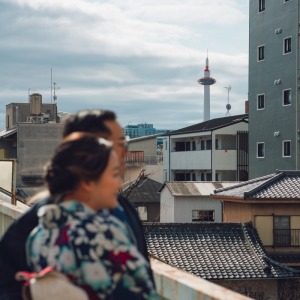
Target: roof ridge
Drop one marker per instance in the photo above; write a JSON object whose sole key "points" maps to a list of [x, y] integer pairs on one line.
{"points": [[247, 236], [242, 183], [274, 262], [264, 184]]}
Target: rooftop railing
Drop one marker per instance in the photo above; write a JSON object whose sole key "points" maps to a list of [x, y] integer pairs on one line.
{"points": [[171, 282]]}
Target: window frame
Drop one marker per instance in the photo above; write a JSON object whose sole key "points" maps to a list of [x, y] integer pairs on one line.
{"points": [[283, 148], [207, 215], [283, 97], [257, 150], [289, 50], [259, 57], [258, 102], [138, 208]]}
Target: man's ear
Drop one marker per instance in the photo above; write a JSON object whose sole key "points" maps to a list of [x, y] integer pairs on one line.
{"points": [[86, 186]]}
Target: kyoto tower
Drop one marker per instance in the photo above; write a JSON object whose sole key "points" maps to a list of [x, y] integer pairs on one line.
{"points": [[207, 81]]}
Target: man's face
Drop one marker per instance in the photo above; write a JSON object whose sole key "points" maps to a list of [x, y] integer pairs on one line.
{"points": [[119, 141]]}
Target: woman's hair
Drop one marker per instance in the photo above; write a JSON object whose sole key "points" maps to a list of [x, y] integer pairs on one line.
{"points": [[79, 157]]}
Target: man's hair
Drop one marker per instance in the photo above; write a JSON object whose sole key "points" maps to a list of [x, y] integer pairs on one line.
{"points": [[89, 120]]}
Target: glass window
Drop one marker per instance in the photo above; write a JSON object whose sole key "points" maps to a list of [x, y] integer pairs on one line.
{"points": [[208, 144], [287, 97], [261, 5], [193, 145], [282, 235], [202, 145], [260, 150], [286, 148], [261, 101], [260, 53], [179, 146], [187, 146], [203, 216], [143, 214], [287, 45]]}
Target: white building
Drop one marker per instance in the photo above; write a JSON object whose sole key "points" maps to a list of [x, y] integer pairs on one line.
{"points": [[187, 202], [214, 150]]}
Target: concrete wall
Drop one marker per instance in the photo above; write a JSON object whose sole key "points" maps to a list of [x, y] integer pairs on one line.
{"points": [[166, 206], [35, 146], [185, 205]]}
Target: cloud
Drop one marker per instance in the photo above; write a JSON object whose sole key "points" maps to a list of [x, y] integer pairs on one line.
{"points": [[142, 59]]}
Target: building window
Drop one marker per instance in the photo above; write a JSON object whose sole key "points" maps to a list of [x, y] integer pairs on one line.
{"points": [[142, 211], [286, 148], [260, 53], [193, 175], [218, 145], [183, 176], [202, 145], [203, 216], [261, 5], [187, 146], [287, 97], [260, 150], [282, 235], [193, 145], [208, 144], [286, 1], [260, 101], [287, 45]]}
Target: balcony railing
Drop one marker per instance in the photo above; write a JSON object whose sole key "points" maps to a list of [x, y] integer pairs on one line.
{"points": [[286, 237], [137, 158], [171, 282]]}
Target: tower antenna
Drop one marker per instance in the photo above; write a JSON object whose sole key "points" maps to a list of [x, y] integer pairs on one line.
{"points": [[228, 106]]}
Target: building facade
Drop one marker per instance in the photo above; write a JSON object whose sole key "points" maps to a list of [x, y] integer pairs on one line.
{"points": [[214, 150], [274, 82], [139, 130]]}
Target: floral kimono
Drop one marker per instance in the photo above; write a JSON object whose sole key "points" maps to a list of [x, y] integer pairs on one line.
{"points": [[92, 248]]}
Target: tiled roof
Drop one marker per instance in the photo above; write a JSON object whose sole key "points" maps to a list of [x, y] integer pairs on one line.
{"points": [[285, 257], [214, 250], [147, 190], [210, 124], [280, 185], [194, 188]]}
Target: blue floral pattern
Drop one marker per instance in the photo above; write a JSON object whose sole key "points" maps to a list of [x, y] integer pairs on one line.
{"points": [[92, 248]]}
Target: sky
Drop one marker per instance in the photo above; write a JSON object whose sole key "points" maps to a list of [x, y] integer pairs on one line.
{"points": [[139, 58]]}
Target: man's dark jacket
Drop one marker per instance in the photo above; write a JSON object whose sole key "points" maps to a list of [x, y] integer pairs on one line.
{"points": [[13, 252]]}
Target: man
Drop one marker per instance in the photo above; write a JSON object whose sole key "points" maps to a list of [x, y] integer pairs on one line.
{"points": [[12, 246]]}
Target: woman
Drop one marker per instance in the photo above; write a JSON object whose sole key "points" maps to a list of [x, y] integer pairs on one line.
{"points": [[77, 235]]}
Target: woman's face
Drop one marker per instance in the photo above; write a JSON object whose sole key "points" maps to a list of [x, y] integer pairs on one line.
{"points": [[105, 190]]}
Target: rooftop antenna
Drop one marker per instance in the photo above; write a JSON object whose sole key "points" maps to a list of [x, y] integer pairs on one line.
{"points": [[228, 106], [51, 86], [55, 88]]}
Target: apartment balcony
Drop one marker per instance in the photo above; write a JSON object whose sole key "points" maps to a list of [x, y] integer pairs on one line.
{"points": [[191, 160], [224, 159], [138, 158], [171, 282]]}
